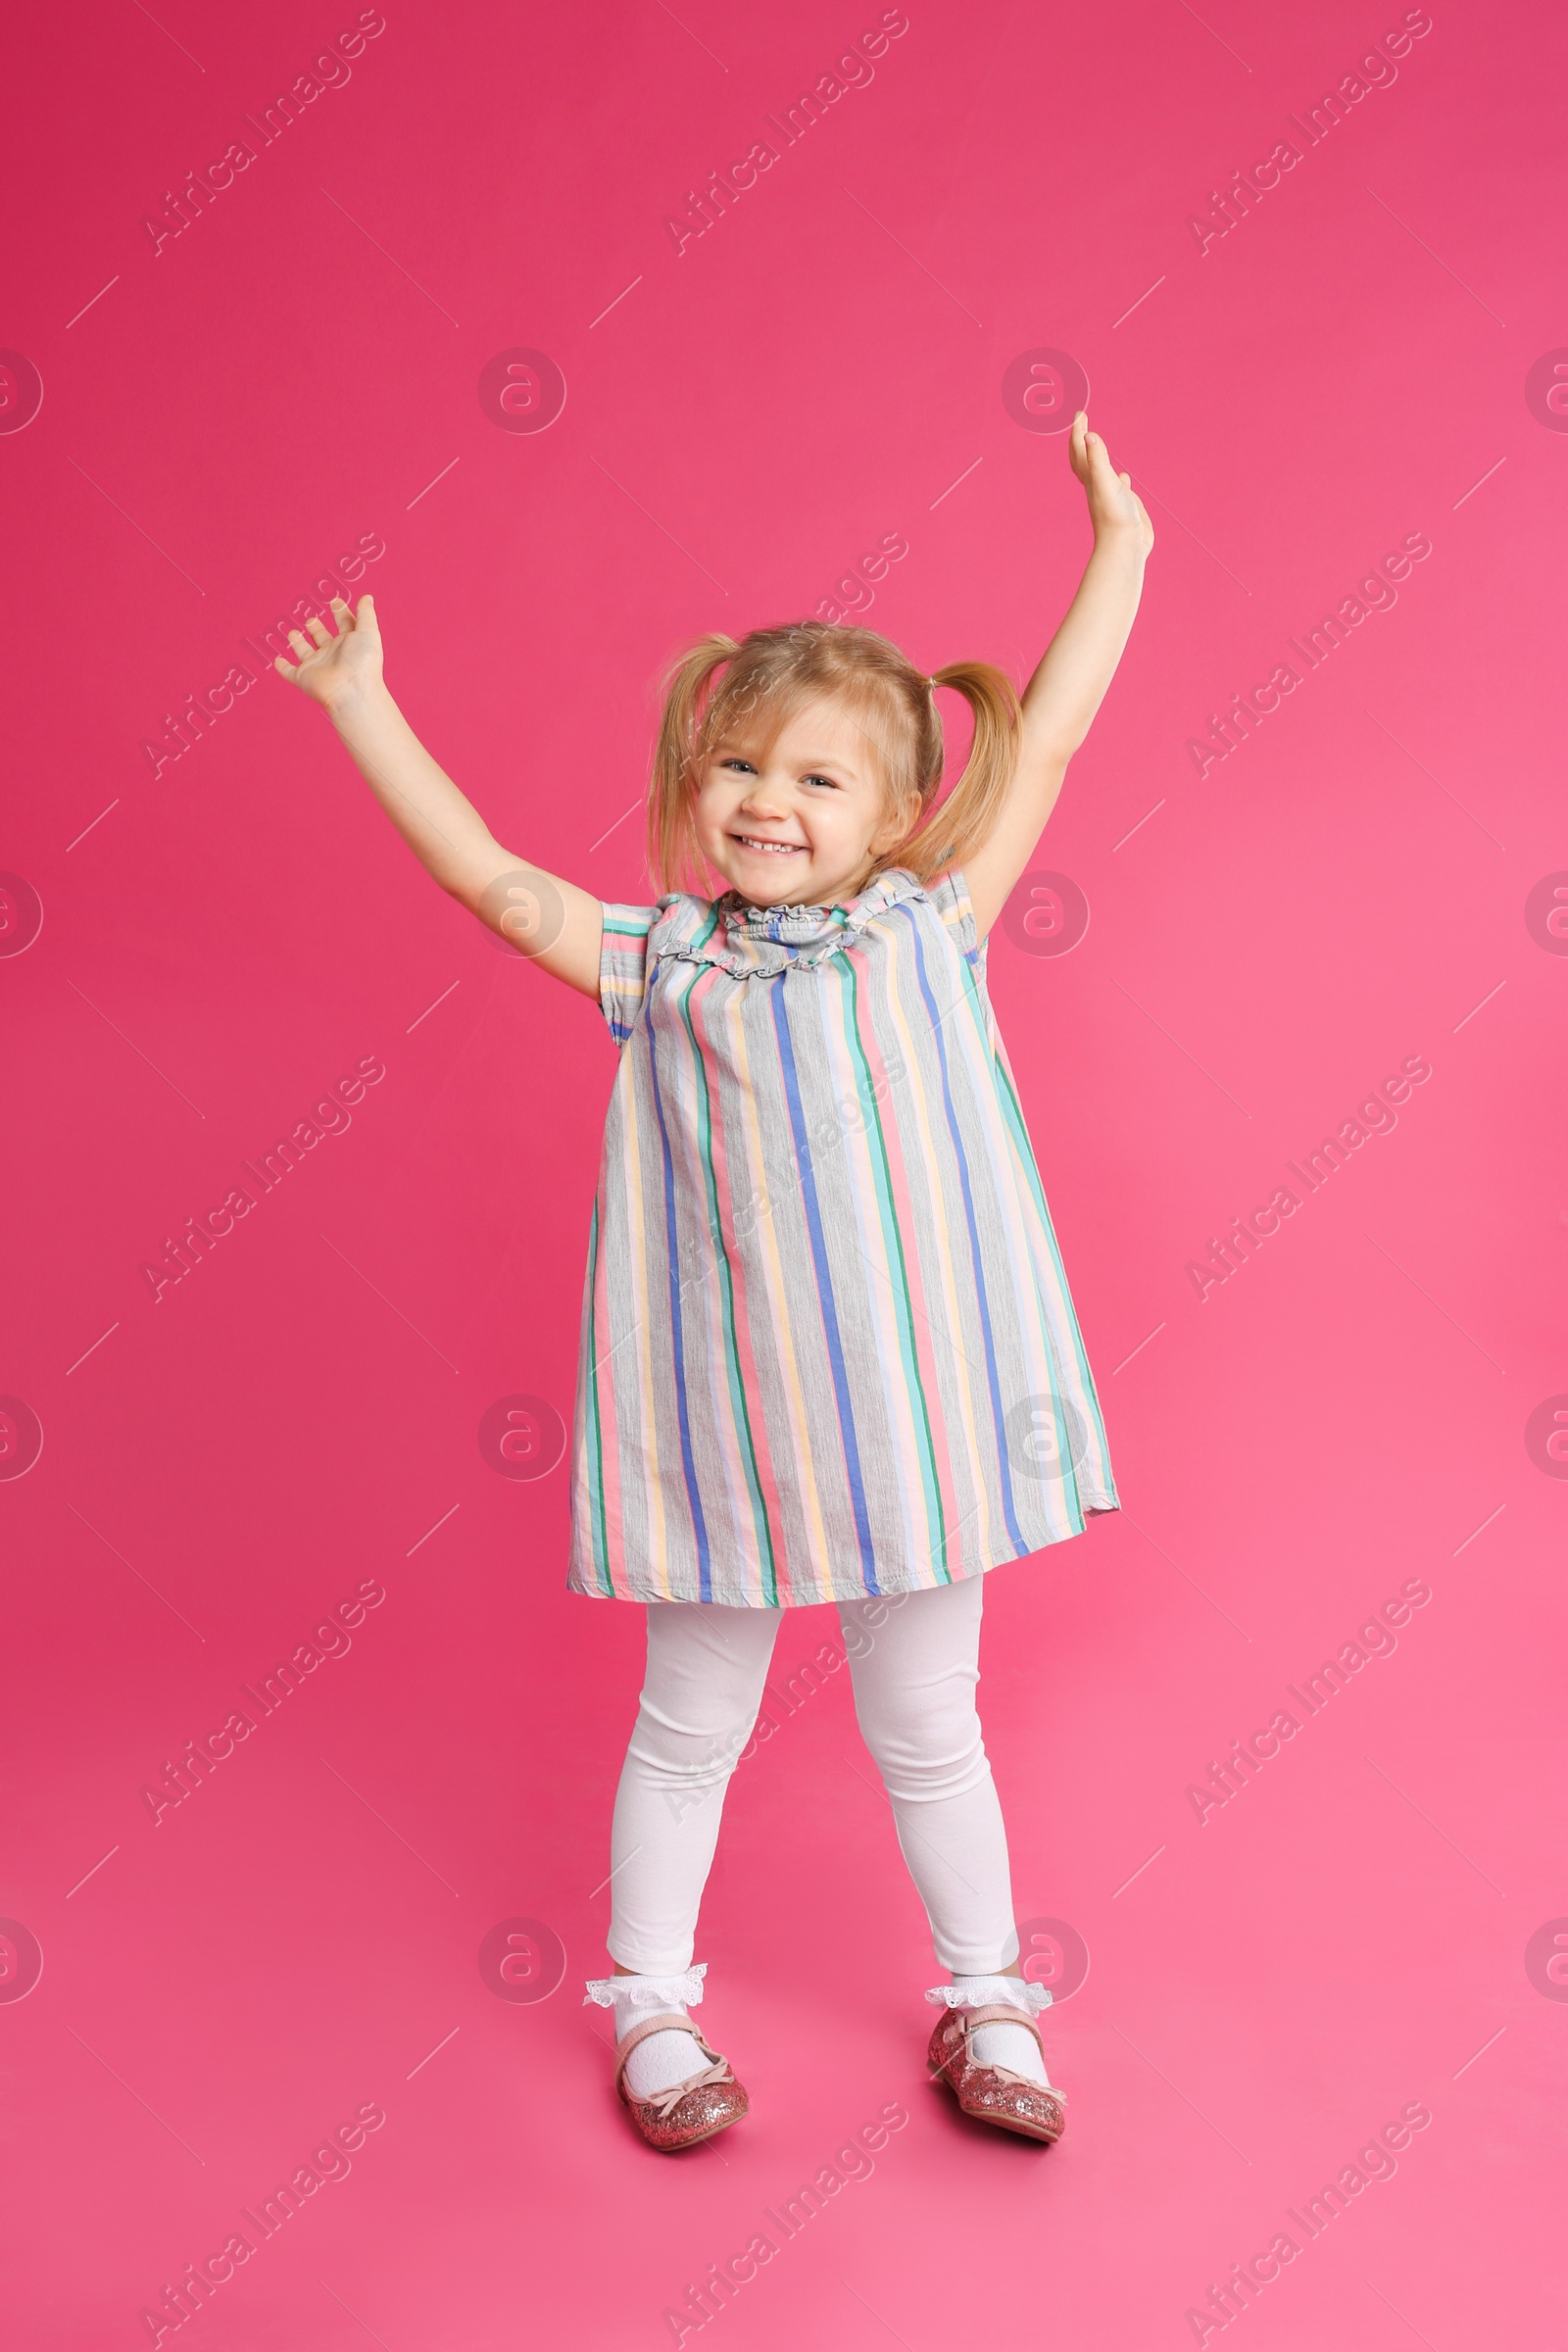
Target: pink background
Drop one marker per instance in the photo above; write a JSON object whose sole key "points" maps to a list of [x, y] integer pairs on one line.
{"points": [[745, 419]]}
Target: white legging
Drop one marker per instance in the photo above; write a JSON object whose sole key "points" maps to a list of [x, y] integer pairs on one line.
{"points": [[914, 1659]]}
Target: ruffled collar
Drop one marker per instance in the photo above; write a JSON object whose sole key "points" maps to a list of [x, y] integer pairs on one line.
{"points": [[804, 926], [744, 940]]}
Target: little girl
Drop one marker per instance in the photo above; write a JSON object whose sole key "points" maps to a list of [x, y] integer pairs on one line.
{"points": [[827, 1346]]}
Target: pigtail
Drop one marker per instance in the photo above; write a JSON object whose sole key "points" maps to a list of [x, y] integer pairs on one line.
{"points": [[673, 858], [966, 818]]}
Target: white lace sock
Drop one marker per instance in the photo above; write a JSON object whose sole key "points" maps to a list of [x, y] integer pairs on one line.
{"points": [[1011, 2047], [663, 2059]]}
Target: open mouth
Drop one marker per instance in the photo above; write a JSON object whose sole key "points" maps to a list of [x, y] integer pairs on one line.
{"points": [[767, 849]]}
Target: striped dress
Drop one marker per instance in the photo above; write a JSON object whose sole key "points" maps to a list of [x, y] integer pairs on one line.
{"points": [[827, 1346]]}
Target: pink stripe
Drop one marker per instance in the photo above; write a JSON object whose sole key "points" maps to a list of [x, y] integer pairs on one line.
{"points": [[735, 1436], [903, 1215], [609, 1441]]}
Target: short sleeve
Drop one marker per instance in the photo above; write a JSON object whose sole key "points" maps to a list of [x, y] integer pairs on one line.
{"points": [[623, 965], [949, 894]]}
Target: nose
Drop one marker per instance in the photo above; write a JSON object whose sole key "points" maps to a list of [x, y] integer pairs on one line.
{"points": [[763, 798]]}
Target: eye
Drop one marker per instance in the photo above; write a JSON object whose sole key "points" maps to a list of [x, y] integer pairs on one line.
{"points": [[829, 781], [736, 761]]}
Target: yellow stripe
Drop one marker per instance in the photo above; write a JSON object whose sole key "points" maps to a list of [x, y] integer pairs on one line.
{"points": [[1025, 1238], [801, 1463], [863, 1184], [963, 1371], [647, 1418]]}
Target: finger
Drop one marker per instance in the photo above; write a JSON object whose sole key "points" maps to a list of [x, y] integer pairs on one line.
{"points": [[285, 669], [301, 644], [342, 617], [1076, 439], [364, 615], [324, 635]]}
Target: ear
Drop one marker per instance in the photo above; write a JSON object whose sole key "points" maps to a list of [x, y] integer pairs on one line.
{"points": [[894, 828]]}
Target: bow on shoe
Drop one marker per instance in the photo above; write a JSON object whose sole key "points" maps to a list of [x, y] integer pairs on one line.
{"points": [[666, 2101], [1004, 2074]]}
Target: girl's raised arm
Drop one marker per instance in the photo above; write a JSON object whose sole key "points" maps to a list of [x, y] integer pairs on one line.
{"points": [[551, 921], [1069, 687]]}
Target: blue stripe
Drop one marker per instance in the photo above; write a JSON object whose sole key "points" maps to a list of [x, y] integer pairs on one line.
{"points": [[705, 1567], [997, 1416], [825, 1288], [744, 1449]]}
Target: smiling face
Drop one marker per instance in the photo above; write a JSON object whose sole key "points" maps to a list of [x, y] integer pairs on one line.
{"points": [[801, 824]]}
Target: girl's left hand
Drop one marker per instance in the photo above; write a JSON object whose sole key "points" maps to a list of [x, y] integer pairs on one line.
{"points": [[1114, 507]]}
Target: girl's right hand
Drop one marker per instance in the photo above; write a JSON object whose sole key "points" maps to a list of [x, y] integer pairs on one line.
{"points": [[1115, 509], [335, 669]]}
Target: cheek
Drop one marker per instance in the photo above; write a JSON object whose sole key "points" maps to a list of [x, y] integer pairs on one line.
{"points": [[709, 806], [837, 820]]}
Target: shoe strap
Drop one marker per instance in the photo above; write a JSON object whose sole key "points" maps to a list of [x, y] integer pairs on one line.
{"points": [[999, 2013], [675, 2022]]}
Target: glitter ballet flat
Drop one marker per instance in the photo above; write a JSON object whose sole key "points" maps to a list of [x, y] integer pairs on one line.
{"points": [[690, 2111], [994, 2094]]}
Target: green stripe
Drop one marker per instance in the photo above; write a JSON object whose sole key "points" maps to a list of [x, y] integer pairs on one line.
{"points": [[598, 1529], [882, 1177], [763, 1532], [1011, 1105], [614, 983], [1012, 1111]]}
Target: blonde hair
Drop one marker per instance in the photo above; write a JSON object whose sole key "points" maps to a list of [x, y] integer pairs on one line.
{"points": [[780, 672]]}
